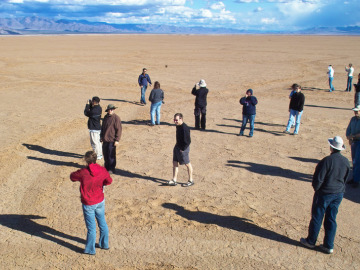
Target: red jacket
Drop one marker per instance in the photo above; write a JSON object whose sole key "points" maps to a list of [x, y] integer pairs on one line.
{"points": [[92, 180]]}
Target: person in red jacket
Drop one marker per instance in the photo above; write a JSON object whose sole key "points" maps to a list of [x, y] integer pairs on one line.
{"points": [[92, 180]]}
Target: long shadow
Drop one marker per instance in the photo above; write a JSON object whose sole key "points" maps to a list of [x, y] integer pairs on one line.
{"points": [[269, 170], [56, 162], [26, 224], [136, 175], [312, 160], [144, 123], [352, 194], [256, 123], [230, 222], [276, 133], [310, 88], [47, 151], [122, 100], [327, 107]]}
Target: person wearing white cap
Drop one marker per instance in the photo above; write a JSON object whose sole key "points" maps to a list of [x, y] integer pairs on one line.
{"points": [[328, 182], [353, 135], [200, 104]]}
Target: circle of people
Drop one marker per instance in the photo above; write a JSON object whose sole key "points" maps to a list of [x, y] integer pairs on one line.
{"points": [[331, 173]]}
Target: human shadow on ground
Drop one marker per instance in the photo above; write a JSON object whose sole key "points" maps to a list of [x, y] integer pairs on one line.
{"points": [[47, 151], [269, 170], [313, 160], [144, 123], [230, 222], [136, 175], [256, 123], [26, 224], [352, 194], [276, 133], [327, 107], [310, 88], [56, 162], [122, 100]]}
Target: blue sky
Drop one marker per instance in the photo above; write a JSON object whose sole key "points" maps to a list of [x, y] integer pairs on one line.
{"points": [[238, 14]]}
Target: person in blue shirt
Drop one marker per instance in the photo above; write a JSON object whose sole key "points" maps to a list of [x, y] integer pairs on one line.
{"points": [[143, 81], [249, 111], [353, 135]]}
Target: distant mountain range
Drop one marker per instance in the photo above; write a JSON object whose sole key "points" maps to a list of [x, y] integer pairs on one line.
{"points": [[36, 25]]}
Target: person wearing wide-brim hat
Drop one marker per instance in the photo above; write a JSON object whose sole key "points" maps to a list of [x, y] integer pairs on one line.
{"points": [[328, 182], [353, 135], [110, 136]]}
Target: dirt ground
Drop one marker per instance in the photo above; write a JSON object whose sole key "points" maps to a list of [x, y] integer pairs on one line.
{"points": [[252, 198]]}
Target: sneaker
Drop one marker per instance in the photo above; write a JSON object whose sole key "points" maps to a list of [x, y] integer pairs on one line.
{"points": [[99, 157], [188, 184], [287, 132], [304, 242], [240, 134], [172, 183], [326, 250], [110, 172]]}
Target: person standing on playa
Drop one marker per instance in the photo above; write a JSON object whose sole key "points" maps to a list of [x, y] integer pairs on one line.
{"points": [[92, 180], [93, 110], [357, 92], [330, 73], [143, 81], [328, 182], [249, 111], [200, 104], [296, 107], [110, 136], [350, 71], [353, 135], [157, 99], [181, 151]]}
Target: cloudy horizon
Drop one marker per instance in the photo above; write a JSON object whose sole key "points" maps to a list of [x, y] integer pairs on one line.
{"points": [[266, 15]]}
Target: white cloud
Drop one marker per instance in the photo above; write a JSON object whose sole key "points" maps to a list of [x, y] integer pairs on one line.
{"points": [[205, 13], [258, 9], [268, 20], [218, 6]]}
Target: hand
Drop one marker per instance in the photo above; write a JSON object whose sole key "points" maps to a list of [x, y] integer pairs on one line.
{"points": [[116, 143]]}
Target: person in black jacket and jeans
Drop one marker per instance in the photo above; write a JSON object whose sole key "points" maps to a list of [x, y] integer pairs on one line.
{"points": [[93, 110], [200, 104], [329, 181], [296, 107], [249, 111]]}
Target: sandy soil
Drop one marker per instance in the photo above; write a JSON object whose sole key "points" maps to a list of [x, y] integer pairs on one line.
{"points": [[251, 201]]}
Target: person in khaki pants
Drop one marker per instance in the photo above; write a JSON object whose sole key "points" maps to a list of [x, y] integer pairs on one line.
{"points": [[93, 110]]}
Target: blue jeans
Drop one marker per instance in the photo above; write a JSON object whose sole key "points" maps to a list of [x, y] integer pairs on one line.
{"points": [[251, 119], [328, 205], [291, 121], [143, 90], [349, 83], [90, 213], [331, 84], [355, 156], [155, 108]]}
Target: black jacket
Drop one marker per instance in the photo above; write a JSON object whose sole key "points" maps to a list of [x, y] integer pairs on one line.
{"points": [[201, 95], [297, 102], [94, 114], [331, 174], [183, 139]]}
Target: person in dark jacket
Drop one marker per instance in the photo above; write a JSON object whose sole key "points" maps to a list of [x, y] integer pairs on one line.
{"points": [[200, 103], [181, 150], [110, 136], [93, 110], [143, 81], [357, 92], [329, 181], [296, 107], [92, 180], [249, 111], [157, 99]]}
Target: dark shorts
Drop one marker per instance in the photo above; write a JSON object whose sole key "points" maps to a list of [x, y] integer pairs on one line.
{"points": [[181, 156]]}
